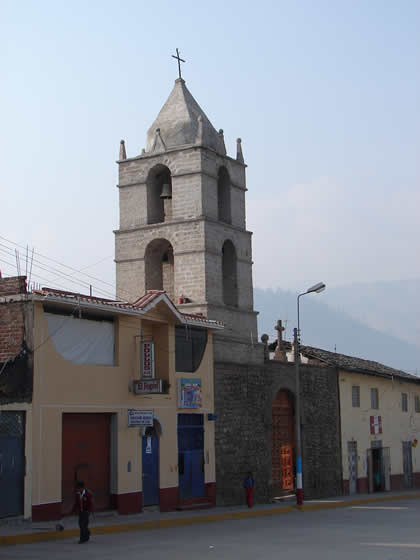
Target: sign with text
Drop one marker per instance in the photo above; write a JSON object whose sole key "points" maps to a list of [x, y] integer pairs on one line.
{"points": [[143, 387], [140, 418], [148, 360], [189, 393]]}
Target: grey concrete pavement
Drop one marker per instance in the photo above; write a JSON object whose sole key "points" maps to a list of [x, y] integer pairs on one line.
{"points": [[383, 530]]}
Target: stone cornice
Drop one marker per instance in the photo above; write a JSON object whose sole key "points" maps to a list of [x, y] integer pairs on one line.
{"points": [[150, 155], [248, 261], [176, 222]]}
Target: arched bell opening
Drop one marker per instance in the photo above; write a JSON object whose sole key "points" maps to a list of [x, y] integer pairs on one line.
{"points": [[159, 266], [159, 195], [229, 273], [223, 196]]}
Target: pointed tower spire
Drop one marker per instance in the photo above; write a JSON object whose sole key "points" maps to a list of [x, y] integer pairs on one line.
{"points": [[200, 131], [222, 148], [123, 153], [178, 121], [239, 154], [159, 144]]}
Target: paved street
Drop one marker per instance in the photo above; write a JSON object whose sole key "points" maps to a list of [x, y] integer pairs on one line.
{"points": [[385, 530]]}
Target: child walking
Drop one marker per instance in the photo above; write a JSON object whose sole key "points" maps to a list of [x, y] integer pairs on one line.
{"points": [[249, 484], [84, 506]]}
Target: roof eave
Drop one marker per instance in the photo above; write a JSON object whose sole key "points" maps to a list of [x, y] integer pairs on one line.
{"points": [[133, 312]]}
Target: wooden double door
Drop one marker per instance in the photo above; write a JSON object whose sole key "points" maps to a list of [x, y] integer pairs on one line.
{"points": [[283, 443], [86, 457]]}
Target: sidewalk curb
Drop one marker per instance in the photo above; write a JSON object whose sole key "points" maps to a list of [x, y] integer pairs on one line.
{"points": [[355, 502], [28, 538]]}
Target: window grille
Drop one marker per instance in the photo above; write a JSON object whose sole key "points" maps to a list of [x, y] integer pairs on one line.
{"points": [[374, 398], [12, 424], [355, 396]]}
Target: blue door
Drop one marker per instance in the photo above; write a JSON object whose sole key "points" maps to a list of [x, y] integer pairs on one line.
{"points": [[150, 461], [12, 463], [191, 456]]}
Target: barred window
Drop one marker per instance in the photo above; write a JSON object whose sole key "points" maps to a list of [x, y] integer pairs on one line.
{"points": [[417, 403], [374, 398], [355, 396], [404, 402]]}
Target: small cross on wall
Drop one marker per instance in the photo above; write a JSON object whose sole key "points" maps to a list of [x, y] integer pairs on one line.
{"points": [[179, 62]]}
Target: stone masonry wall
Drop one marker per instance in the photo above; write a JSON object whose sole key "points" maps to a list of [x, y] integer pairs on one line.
{"points": [[243, 401], [12, 322], [15, 341]]}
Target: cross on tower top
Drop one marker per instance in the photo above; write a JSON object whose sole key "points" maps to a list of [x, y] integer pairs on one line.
{"points": [[280, 352], [179, 62], [279, 328]]}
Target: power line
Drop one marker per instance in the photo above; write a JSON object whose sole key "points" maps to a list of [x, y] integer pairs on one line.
{"points": [[58, 273], [43, 278], [75, 271]]}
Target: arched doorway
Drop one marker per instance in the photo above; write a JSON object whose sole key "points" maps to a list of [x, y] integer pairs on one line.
{"points": [[150, 464], [283, 443], [159, 266]]}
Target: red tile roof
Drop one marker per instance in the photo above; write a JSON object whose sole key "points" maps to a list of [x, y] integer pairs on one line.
{"points": [[143, 304]]}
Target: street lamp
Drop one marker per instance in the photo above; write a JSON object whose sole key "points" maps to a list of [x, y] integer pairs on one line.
{"points": [[317, 288]]}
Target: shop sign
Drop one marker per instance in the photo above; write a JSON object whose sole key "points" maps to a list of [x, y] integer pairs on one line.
{"points": [[189, 391], [142, 386], [140, 418], [147, 360]]}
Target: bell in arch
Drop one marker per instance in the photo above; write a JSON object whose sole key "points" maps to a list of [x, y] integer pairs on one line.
{"points": [[166, 191]]}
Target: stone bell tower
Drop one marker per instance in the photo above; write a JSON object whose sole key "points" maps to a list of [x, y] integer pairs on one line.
{"points": [[182, 224]]}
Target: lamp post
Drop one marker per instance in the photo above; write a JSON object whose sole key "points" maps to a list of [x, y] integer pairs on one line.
{"points": [[320, 287]]}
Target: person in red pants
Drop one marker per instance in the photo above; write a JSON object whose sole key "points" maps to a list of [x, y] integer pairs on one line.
{"points": [[249, 484]]}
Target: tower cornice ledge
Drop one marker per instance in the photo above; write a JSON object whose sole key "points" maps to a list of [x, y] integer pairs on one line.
{"points": [[149, 155], [165, 225]]}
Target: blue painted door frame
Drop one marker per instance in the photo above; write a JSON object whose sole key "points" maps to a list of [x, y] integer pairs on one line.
{"points": [[150, 462], [191, 456]]}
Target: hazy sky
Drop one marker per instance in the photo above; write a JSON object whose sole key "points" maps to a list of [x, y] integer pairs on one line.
{"points": [[323, 94]]}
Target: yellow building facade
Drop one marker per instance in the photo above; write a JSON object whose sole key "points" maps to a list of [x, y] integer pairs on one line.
{"points": [[112, 407], [380, 427], [379, 422]]}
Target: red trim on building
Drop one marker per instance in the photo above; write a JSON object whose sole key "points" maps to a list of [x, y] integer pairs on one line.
{"points": [[397, 481], [168, 499], [211, 492], [46, 512], [128, 503], [362, 485]]}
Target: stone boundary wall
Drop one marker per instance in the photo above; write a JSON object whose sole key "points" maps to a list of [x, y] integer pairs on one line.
{"points": [[243, 401]]}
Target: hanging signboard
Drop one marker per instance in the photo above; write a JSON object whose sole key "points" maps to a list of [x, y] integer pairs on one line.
{"points": [[140, 418], [189, 391], [142, 387], [148, 360]]}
